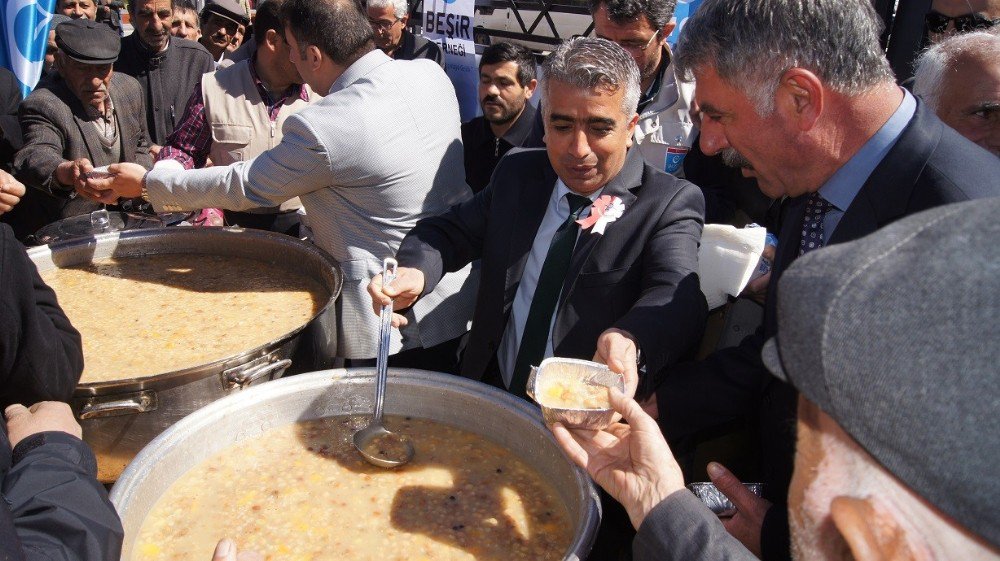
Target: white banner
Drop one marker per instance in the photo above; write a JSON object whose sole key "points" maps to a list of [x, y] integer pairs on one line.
{"points": [[449, 23]]}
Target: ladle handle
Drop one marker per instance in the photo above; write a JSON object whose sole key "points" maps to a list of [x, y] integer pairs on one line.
{"points": [[382, 359]]}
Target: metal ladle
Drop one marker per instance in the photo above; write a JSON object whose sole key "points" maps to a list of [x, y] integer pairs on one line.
{"points": [[377, 444]]}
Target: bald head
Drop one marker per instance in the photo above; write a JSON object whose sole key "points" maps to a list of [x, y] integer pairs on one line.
{"points": [[959, 78]]}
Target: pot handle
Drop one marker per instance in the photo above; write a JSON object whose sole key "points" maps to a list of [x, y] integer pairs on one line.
{"points": [[134, 404], [240, 379]]}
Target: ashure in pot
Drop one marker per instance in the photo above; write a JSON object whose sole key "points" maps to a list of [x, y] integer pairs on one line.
{"points": [[120, 415]]}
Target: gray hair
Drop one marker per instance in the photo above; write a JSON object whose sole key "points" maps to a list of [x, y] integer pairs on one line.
{"points": [[590, 63], [936, 62], [750, 44], [399, 7]]}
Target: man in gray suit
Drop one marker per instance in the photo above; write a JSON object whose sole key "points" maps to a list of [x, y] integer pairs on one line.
{"points": [[381, 151], [90, 116]]}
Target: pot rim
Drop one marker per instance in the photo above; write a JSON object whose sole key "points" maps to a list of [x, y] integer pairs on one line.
{"points": [[130, 481], [165, 380]]}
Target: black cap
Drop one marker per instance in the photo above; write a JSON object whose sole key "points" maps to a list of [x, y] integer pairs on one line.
{"points": [[88, 41], [230, 9], [894, 336]]}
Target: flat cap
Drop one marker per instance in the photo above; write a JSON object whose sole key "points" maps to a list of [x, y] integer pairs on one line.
{"points": [[88, 41], [895, 337], [230, 9]]}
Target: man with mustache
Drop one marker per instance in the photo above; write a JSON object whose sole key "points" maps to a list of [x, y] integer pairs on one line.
{"points": [[824, 125], [223, 26], [168, 68], [89, 116], [239, 111], [506, 84]]}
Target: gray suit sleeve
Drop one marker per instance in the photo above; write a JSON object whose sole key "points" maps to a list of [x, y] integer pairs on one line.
{"points": [[682, 528], [43, 147], [298, 165]]}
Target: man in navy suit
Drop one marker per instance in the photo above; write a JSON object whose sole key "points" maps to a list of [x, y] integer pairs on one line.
{"points": [[586, 251], [822, 124]]}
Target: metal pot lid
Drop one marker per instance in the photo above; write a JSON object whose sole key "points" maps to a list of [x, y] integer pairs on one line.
{"points": [[103, 221]]}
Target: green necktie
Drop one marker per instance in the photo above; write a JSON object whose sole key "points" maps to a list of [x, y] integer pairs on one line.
{"points": [[543, 302]]}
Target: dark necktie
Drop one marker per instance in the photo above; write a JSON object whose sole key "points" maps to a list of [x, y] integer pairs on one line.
{"points": [[543, 302], [812, 223]]}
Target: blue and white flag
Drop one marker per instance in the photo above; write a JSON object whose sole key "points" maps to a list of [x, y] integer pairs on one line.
{"points": [[25, 25], [684, 10]]}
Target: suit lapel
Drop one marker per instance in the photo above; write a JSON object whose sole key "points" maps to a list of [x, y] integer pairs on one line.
{"points": [[630, 177], [886, 193], [528, 212]]}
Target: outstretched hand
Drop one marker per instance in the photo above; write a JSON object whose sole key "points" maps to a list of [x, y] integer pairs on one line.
{"points": [[746, 524], [632, 462], [125, 182], [401, 293], [617, 349]]}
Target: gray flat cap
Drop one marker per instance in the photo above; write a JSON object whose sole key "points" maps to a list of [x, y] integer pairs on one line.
{"points": [[895, 336], [229, 9], [88, 41]]}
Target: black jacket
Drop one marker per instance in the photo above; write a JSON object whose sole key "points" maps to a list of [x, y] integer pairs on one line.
{"points": [[930, 165], [640, 276], [41, 358], [53, 507], [168, 79], [10, 129]]}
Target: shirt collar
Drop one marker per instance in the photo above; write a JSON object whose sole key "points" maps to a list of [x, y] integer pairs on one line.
{"points": [[845, 184], [295, 90], [560, 192], [517, 132], [654, 88]]}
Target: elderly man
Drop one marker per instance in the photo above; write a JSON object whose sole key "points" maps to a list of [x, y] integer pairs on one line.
{"points": [[824, 125], [506, 84], [76, 9], [352, 166], [185, 22], [168, 68], [628, 284], [897, 419], [223, 25], [388, 19], [89, 116], [959, 79], [949, 17], [239, 112]]}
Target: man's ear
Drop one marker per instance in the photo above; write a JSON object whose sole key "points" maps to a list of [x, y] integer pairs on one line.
{"points": [[271, 38], [800, 97], [631, 130], [405, 19], [667, 30], [872, 532], [530, 88]]}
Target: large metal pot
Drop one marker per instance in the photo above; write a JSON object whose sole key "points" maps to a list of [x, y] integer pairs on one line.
{"points": [[122, 416], [481, 409]]}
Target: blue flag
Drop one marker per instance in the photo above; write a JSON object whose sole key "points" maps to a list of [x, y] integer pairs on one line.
{"points": [[25, 25], [684, 10]]}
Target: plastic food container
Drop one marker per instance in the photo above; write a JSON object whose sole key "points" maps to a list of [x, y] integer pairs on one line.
{"points": [[571, 391]]}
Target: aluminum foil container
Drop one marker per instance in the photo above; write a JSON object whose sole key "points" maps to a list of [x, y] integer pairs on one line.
{"points": [[591, 372], [715, 500]]}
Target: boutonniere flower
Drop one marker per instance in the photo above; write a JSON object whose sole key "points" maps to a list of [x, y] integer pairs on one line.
{"points": [[604, 211]]}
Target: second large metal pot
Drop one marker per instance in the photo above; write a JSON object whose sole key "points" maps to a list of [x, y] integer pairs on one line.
{"points": [[506, 420], [122, 416]]}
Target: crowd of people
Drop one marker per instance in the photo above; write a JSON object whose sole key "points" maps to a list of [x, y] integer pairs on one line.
{"points": [[566, 221]]}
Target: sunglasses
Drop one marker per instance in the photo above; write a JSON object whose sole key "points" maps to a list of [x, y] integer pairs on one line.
{"points": [[938, 23]]}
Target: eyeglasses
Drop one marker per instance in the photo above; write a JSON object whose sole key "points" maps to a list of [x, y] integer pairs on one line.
{"points": [[938, 22], [382, 25], [636, 45]]}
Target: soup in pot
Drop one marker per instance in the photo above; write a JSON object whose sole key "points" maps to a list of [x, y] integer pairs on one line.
{"points": [[303, 492], [153, 314]]}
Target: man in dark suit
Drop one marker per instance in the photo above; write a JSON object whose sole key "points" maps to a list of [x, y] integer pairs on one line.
{"points": [[90, 116], [848, 150], [586, 251]]}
